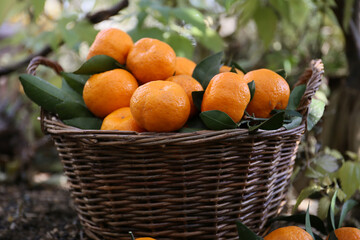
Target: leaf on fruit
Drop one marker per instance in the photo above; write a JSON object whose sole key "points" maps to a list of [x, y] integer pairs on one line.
{"points": [[193, 125], [98, 64], [197, 97], [217, 120], [282, 73], [251, 86], [275, 122], [236, 65], [295, 97], [42, 92], [75, 81], [207, 69], [69, 109]]}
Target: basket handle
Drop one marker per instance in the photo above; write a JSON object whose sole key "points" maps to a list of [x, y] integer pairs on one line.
{"points": [[312, 77], [39, 60]]}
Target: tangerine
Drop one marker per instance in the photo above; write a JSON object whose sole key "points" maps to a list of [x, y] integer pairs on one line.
{"points": [[184, 66], [160, 106], [288, 233], [225, 68], [347, 233], [122, 120]]}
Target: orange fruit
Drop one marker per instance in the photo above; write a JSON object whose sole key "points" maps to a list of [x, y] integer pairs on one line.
{"points": [[271, 92], [105, 92], [145, 238], [189, 84], [113, 43], [150, 60], [347, 233], [184, 66], [288, 233], [227, 92], [225, 68], [122, 120], [160, 106]]}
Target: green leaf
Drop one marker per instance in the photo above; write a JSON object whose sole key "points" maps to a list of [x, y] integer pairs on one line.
{"points": [[348, 11], [150, 32], [236, 65], [308, 223], [197, 97], [266, 22], [207, 69], [332, 236], [248, 8], [5, 7], [84, 122], [233, 69], [283, 9], [332, 211], [193, 125], [85, 31], [69, 109], [217, 120], [38, 7], [182, 46], [131, 235], [316, 111], [251, 86], [75, 81], [70, 94], [210, 39], [190, 16], [306, 192], [41, 92], [98, 64], [275, 122], [300, 218], [295, 122], [323, 208], [245, 233], [349, 175], [348, 205], [295, 97], [282, 73]]}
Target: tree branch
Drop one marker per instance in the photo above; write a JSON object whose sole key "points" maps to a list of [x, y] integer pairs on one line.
{"points": [[92, 18]]}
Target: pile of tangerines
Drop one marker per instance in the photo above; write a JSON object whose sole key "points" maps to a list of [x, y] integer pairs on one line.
{"points": [[154, 91]]}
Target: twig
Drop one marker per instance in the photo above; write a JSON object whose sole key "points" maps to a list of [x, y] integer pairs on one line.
{"points": [[92, 18]]}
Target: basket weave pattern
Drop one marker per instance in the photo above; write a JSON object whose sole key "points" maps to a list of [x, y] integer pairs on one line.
{"points": [[178, 185]]}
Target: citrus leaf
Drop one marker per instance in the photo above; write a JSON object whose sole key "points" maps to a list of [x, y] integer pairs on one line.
{"points": [[316, 111], [308, 223], [300, 218], [84, 122], [69, 109], [348, 205], [233, 69], [295, 122], [193, 125], [282, 73], [41, 92], [71, 94], [75, 81], [275, 122], [207, 69], [182, 46], [98, 64], [245, 233], [332, 236], [238, 67], [251, 86], [217, 120], [295, 97], [266, 22], [331, 215], [197, 97], [306, 192], [349, 175], [190, 16]]}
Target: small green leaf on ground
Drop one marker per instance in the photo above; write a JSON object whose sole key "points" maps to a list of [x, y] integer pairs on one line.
{"points": [[207, 69], [197, 97], [98, 64], [41, 92], [295, 97], [217, 120], [245, 233], [252, 89]]}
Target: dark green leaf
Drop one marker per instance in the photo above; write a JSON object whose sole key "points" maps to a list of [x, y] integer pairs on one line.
{"points": [[84, 122], [193, 125], [41, 92], [348, 205], [306, 192], [332, 236], [68, 110], [207, 69], [252, 89], [197, 97], [295, 97], [308, 223], [131, 235], [75, 81], [316, 111], [282, 73], [332, 211], [295, 122], [98, 64], [300, 218], [70, 94], [217, 120], [266, 22], [233, 69], [238, 67], [245, 233], [275, 122]]}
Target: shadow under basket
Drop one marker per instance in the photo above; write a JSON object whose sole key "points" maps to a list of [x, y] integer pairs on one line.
{"points": [[177, 185]]}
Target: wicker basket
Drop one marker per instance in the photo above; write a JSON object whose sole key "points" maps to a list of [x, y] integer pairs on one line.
{"points": [[177, 185]]}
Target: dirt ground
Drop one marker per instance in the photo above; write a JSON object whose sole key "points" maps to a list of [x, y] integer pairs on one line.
{"points": [[37, 213]]}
